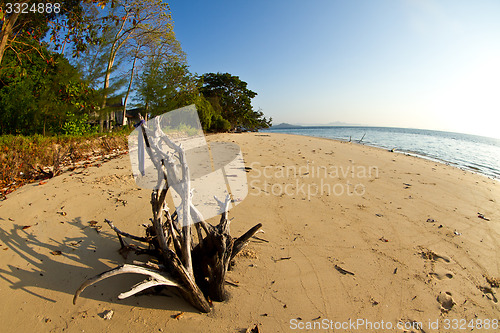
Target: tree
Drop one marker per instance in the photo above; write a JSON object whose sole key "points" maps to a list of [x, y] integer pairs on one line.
{"points": [[50, 87], [222, 100], [139, 20], [165, 86], [158, 44], [107, 81], [131, 80], [230, 96], [73, 17]]}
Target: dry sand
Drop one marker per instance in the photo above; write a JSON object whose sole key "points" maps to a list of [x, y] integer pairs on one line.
{"points": [[390, 242]]}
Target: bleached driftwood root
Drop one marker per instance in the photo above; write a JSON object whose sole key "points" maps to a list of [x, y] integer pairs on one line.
{"points": [[196, 268], [157, 278]]}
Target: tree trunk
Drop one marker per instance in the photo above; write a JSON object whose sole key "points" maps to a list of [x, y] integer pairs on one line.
{"points": [[7, 27], [124, 119], [111, 120], [112, 56], [106, 85]]}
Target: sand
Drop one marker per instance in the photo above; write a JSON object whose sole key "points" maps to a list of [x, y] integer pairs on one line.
{"points": [[357, 236]]}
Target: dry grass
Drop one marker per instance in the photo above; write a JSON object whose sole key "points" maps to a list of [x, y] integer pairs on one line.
{"points": [[24, 159]]}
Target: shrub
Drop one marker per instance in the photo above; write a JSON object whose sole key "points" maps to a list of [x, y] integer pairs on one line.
{"points": [[220, 124], [21, 156], [78, 125]]}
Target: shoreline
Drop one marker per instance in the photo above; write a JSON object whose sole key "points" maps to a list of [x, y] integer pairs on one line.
{"points": [[408, 153], [409, 248]]}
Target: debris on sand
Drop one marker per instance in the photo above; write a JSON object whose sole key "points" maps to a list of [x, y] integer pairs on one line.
{"points": [[494, 282], [343, 271], [107, 315], [254, 329], [481, 216]]}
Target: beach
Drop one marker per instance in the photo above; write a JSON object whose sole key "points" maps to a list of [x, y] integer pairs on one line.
{"points": [[352, 234]]}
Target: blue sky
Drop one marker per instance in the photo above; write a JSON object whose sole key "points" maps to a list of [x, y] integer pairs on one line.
{"points": [[421, 64]]}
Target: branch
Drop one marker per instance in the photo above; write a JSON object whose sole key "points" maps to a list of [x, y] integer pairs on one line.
{"points": [[186, 218], [198, 217], [118, 231], [242, 241], [224, 222], [157, 220], [160, 277], [145, 285], [170, 229]]}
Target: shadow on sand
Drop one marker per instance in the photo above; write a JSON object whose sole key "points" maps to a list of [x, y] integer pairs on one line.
{"points": [[90, 253]]}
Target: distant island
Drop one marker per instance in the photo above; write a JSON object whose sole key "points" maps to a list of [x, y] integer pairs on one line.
{"points": [[285, 125], [288, 126]]}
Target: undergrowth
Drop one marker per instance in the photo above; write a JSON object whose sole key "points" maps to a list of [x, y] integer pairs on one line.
{"points": [[28, 158]]}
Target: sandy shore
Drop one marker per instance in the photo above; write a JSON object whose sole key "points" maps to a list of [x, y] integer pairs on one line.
{"points": [[355, 233]]}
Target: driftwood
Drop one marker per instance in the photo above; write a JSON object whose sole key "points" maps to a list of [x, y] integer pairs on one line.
{"points": [[196, 268], [362, 138]]}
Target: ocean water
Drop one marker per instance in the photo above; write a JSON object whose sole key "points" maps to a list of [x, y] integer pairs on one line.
{"points": [[470, 152]]}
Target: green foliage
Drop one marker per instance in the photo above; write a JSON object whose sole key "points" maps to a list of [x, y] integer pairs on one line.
{"points": [[41, 92], [63, 20], [182, 128], [36, 92], [168, 86], [135, 30], [231, 98], [78, 125], [220, 124], [205, 112], [222, 100], [165, 86]]}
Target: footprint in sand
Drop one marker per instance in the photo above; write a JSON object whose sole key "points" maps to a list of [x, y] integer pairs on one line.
{"points": [[441, 274], [446, 301], [489, 294], [431, 255]]}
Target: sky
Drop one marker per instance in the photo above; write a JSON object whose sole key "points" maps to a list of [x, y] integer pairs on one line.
{"points": [[399, 63]]}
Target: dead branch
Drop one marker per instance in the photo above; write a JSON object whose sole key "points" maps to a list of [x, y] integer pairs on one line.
{"points": [[125, 234], [243, 240], [362, 138], [160, 278]]}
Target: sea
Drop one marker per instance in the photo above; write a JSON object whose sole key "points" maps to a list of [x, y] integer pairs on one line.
{"points": [[475, 153]]}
